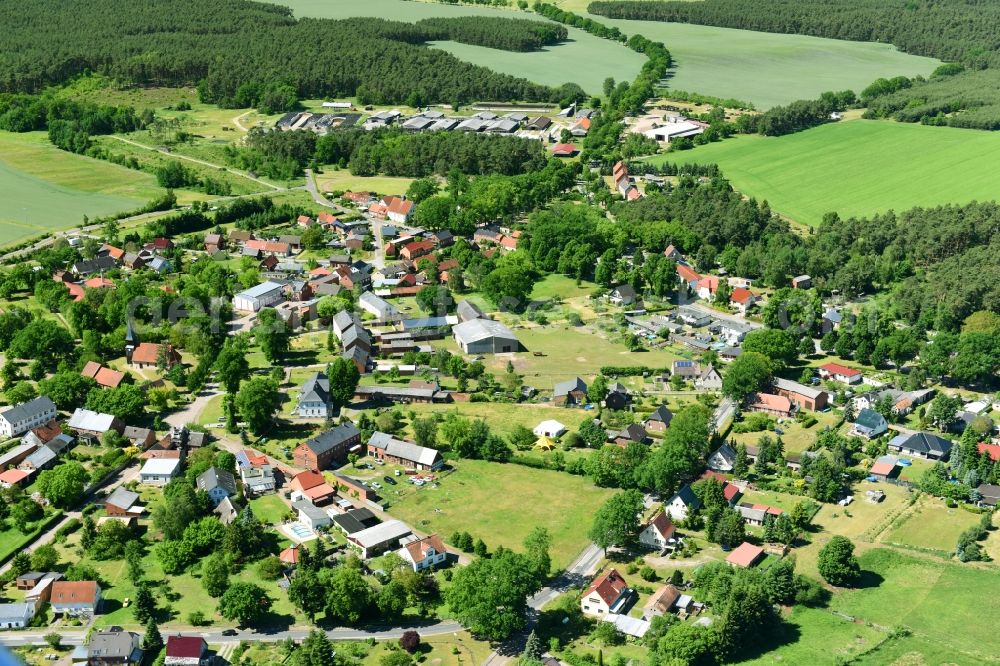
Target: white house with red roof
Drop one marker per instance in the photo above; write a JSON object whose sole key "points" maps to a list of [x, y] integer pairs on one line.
{"points": [[839, 373], [609, 593], [658, 532], [742, 299], [688, 276], [398, 210], [425, 553], [707, 286]]}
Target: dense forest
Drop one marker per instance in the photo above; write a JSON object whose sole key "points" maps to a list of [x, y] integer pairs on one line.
{"points": [[240, 50], [390, 152], [494, 31], [966, 34]]}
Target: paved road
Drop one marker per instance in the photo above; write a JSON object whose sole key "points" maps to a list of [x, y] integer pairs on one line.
{"points": [[578, 573], [318, 197], [193, 410], [704, 309]]}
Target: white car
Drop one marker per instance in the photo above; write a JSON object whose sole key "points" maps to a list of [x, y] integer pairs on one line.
{"points": [[376, 485]]}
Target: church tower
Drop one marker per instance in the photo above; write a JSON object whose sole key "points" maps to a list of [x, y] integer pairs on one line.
{"points": [[131, 341]]}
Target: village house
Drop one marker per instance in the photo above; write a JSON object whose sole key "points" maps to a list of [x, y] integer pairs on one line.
{"points": [[658, 532], [607, 594], [570, 393], [661, 602], [310, 515], [683, 501], [618, 397], [659, 420], [16, 615], [839, 373], [687, 370], [756, 514], [723, 459], [314, 398], [104, 376], [869, 424], [380, 538], [921, 445], [383, 446], [27, 415], [804, 397], [885, 468], [114, 646], [989, 494], [399, 210], [745, 555], [123, 503], [564, 150], [802, 282], [742, 299], [709, 380], [76, 598], [426, 553], [159, 471], [186, 651], [311, 487], [141, 438], [768, 403], [623, 294], [218, 483], [92, 425], [320, 451]]}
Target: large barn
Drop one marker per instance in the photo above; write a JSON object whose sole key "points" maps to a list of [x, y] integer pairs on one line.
{"points": [[485, 336]]}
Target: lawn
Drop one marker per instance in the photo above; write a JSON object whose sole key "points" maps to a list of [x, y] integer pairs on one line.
{"points": [[858, 167], [269, 509], [501, 504], [796, 437], [931, 525], [47, 189], [567, 352], [769, 69], [332, 180], [503, 417], [583, 58], [816, 636], [938, 601]]}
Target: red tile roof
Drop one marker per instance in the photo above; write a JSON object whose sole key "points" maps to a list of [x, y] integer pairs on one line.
{"points": [[741, 295], [564, 150], [74, 592], [661, 522], [883, 468], [687, 274], [290, 555], [773, 510], [305, 480], [75, 290], [13, 476], [838, 369], [105, 377], [400, 206], [148, 352], [98, 283], [729, 491], [418, 549], [770, 401], [745, 555], [710, 282], [185, 647], [992, 449], [608, 587]]}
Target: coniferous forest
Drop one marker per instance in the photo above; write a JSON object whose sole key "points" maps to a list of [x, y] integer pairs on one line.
{"points": [[237, 51]]}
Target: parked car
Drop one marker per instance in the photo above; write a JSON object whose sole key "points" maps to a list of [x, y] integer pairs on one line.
{"points": [[228, 632], [388, 479], [376, 485]]}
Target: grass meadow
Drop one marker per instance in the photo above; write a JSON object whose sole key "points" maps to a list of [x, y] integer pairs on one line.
{"points": [[932, 526], [501, 504], [857, 168]]}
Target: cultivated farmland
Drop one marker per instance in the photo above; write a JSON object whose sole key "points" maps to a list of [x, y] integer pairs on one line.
{"points": [[46, 189], [768, 68], [582, 59], [858, 167]]}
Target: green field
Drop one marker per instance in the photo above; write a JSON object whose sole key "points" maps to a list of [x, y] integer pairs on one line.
{"points": [[583, 58], [932, 525], [857, 167], [815, 636], [768, 69], [501, 504], [47, 189], [942, 603]]}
